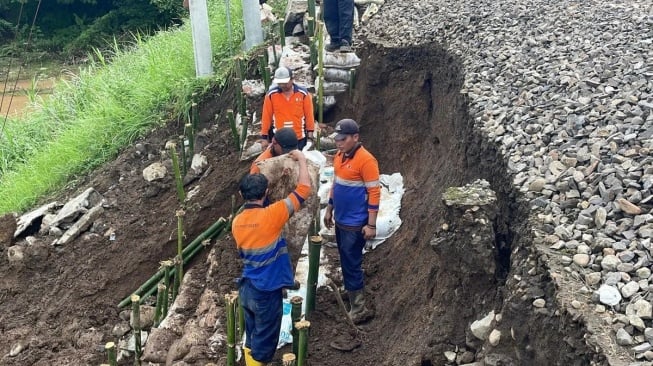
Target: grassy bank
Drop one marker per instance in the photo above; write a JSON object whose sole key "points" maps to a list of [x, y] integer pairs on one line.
{"points": [[89, 119]]}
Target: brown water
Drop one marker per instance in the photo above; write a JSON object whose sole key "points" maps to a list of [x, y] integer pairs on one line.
{"points": [[14, 95]]}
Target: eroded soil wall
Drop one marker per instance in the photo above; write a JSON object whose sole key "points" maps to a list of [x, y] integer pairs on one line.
{"points": [[414, 118]]}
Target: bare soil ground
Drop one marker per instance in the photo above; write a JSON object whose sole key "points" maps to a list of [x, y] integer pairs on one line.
{"points": [[62, 303]]}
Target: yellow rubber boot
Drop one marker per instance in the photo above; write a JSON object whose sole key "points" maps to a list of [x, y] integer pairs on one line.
{"points": [[249, 360]]}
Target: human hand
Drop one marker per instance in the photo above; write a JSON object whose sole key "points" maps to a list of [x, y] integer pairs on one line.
{"points": [[264, 144], [368, 232], [328, 218], [297, 155]]}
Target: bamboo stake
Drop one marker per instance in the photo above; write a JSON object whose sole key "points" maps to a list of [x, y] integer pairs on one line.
{"points": [[295, 316], [181, 195], [311, 44], [303, 327], [263, 69], [182, 153], [243, 133], [320, 89], [288, 359], [352, 81], [230, 300], [167, 267], [209, 233], [196, 115], [314, 247], [190, 135], [160, 298], [176, 282], [180, 242], [282, 34], [110, 347], [311, 17], [241, 320], [232, 124], [136, 326]]}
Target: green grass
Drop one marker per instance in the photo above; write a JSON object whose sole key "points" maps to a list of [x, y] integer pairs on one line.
{"points": [[90, 118]]}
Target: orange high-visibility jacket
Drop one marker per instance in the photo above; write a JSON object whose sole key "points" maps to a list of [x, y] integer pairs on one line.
{"points": [[295, 112], [356, 189], [258, 231]]}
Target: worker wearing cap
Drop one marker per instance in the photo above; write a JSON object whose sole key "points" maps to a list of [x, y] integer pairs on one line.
{"points": [[283, 142], [287, 105], [258, 232], [353, 206]]}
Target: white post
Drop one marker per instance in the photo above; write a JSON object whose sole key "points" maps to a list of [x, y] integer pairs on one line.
{"points": [[199, 21], [252, 20]]}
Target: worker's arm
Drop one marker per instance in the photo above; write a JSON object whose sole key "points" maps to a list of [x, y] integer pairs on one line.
{"points": [[370, 174], [308, 115], [266, 120], [328, 213]]}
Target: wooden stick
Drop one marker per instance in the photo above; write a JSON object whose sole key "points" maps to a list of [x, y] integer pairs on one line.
{"points": [[350, 321]]}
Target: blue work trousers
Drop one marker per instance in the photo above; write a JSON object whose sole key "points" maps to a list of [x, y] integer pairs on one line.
{"points": [[263, 311], [350, 248], [339, 19]]}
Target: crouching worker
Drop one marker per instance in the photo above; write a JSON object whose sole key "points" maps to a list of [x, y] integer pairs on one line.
{"points": [[267, 269]]}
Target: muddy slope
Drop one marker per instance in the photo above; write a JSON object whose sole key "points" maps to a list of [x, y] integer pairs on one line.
{"points": [[61, 303]]}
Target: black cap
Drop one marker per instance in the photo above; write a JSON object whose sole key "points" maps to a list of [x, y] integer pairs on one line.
{"points": [[346, 127], [286, 138]]}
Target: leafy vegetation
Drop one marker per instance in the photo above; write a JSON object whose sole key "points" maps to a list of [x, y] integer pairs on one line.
{"points": [[73, 27], [109, 105]]}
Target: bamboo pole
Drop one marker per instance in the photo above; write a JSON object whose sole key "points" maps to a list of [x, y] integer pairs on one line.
{"points": [[136, 326], [196, 114], [295, 316], [209, 233], [231, 300], [245, 122], [320, 89], [282, 34], [352, 81], [180, 242], [311, 18], [234, 130], [110, 347], [190, 135], [182, 154], [311, 44], [288, 359], [167, 267], [314, 247], [160, 298], [264, 70], [181, 195], [241, 320], [302, 354]]}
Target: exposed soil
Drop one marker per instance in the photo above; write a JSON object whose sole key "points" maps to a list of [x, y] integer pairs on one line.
{"points": [[61, 304]]}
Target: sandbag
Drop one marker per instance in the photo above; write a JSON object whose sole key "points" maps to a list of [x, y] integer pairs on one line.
{"points": [[282, 172]]}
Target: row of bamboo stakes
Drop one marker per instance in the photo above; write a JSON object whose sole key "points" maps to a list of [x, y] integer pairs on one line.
{"points": [[173, 269]]}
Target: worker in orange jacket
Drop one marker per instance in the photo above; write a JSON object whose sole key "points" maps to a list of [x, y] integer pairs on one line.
{"points": [[283, 142], [353, 206], [287, 104], [258, 232]]}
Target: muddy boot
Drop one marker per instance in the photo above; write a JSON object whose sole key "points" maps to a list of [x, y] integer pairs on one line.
{"points": [[359, 313]]}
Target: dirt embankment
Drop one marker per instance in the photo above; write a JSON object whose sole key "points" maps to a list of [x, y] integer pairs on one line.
{"points": [[414, 119]]}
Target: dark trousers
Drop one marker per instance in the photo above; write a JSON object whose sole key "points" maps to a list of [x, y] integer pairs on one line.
{"points": [[263, 311], [350, 248], [339, 19]]}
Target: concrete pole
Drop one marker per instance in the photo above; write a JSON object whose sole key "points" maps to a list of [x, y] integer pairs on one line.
{"points": [[252, 20], [199, 20]]}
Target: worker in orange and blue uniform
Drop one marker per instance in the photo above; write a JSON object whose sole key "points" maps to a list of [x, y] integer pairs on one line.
{"points": [[258, 232], [287, 104], [353, 205], [283, 142]]}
